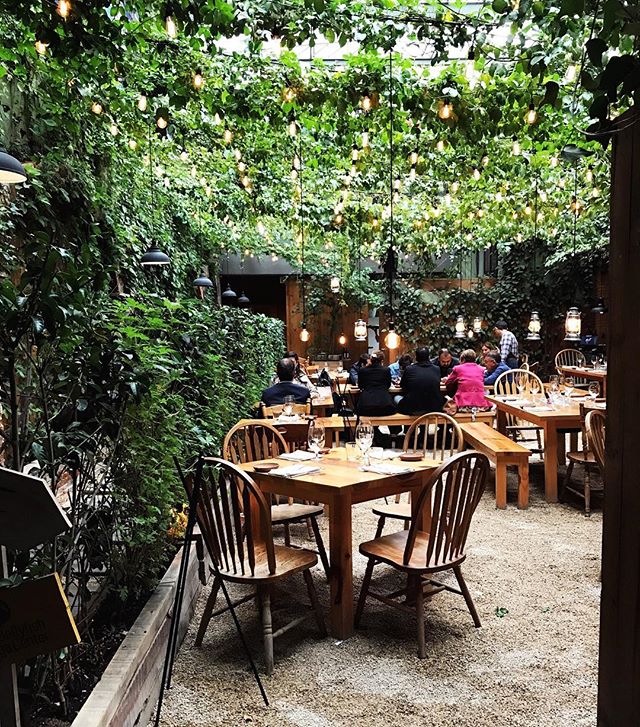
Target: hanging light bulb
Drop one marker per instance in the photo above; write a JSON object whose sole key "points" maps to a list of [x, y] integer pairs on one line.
{"points": [[572, 325], [132, 144], [412, 174], [294, 173], [63, 8], [354, 153], [440, 145], [595, 192], [113, 130], [446, 110], [534, 327], [304, 333], [447, 199], [338, 219], [142, 102], [413, 157], [289, 94], [461, 328], [485, 160], [589, 174], [455, 186], [360, 330], [217, 120], [571, 74], [41, 47], [227, 136], [96, 107], [553, 161], [246, 181], [476, 173], [342, 340], [499, 197], [161, 121], [237, 154], [515, 149], [392, 339], [532, 115], [292, 128], [375, 223], [198, 80], [241, 167], [470, 72], [365, 139], [477, 325], [334, 284], [365, 103], [262, 230], [169, 22], [527, 209]]}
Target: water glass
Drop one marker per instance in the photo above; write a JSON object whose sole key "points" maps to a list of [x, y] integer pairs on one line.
{"points": [[364, 438], [594, 390], [569, 384], [315, 437], [287, 409], [353, 452]]}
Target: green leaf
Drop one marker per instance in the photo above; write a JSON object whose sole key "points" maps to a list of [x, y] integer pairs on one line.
{"points": [[571, 7]]}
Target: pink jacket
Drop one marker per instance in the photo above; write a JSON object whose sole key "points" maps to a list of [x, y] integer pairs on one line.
{"points": [[470, 380]]}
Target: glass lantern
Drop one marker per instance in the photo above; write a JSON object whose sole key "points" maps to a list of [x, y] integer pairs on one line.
{"points": [[342, 339], [572, 325], [477, 324], [392, 339], [534, 327], [461, 328], [360, 330], [335, 284], [304, 334]]}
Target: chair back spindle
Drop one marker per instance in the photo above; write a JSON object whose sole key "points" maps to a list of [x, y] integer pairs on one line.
{"points": [[253, 441], [437, 435]]}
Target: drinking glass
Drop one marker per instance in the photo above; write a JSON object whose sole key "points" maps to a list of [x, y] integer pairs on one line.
{"points": [[364, 438], [339, 368], [287, 409], [316, 437], [534, 387], [521, 382], [594, 390], [569, 383]]}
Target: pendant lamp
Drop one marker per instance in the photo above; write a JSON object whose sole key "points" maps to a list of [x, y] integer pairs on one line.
{"points": [[572, 325], [11, 171], [153, 256], [534, 327], [461, 328], [360, 330], [202, 281], [477, 324], [342, 340], [243, 300], [229, 295]]}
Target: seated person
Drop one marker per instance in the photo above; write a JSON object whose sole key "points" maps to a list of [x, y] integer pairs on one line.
{"points": [[363, 361], [398, 368], [374, 382], [300, 376], [286, 386], [421, 386], [466, 383], [494, 366], [445, 361]]}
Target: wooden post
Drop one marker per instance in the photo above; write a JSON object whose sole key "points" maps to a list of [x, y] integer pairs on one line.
{"points": [[9, 705], [619, 670]]}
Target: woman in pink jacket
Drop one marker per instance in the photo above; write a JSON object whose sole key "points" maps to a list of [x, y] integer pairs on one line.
{"points": [[466, 383]]}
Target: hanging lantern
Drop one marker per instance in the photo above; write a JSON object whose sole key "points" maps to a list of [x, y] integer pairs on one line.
{"points": [[360, 330], [202, 281], [477, 324], [446, 110], [154, 256], [243, 300], [335, 284], [534, 327], [342, 339], [392, 339], [304, 334], [11, 171], [461, 328], [229, 295], [572, 325]]}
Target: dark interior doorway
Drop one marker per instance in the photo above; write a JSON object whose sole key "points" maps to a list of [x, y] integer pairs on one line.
{"points": [[266, 292]]}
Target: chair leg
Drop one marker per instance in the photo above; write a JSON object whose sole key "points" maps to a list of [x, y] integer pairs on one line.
{"points": [[422, 651], [381, 521], [467, 597], [267, 628], [363, 591], [313, 597], [321, 550], [539, 440], [309, 527], [587, 491], [287, 534], [208, 610]]}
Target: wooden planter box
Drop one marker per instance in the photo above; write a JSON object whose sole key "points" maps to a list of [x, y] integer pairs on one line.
{"points": [[127, 693]]}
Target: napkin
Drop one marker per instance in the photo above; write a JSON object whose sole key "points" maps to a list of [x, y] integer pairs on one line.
{"points": [[293, 419], [538, 408], [300, 455], [295, 470], [386, 469]]}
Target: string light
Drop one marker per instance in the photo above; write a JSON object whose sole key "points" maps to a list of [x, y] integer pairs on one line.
{"points": [[227, 136], [114, 130], [96, 107], [304, 334], [162, 121], [532, 115], [142, 102], [553, 162], [216, 119], [342, 340], [515, 149], [246, 181], [413, 158], [499, 197], [589, 174], [132, 144], [455, 186], [198, 80], [289, 94], [485, 160], [63, 8], [527, 209], [170, 23], [412, 174], [365, 103], [470, 72], [446, 110], [440, 145], [237, 154], [365, 139], [41, 47], [571, 74], [354, 153], [476, 173], [292, 128], [595, 192]]}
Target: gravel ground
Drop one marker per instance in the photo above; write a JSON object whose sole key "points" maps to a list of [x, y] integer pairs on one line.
{"points": [[534, 576]]}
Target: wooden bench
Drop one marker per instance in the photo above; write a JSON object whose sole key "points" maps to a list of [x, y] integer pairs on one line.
{"points": [[502, 451]]}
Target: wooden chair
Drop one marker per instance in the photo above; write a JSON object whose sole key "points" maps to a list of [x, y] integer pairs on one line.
{"points": [[243, 550], [438, 436], [259, 439], [507, 385], [270, 412], [584, 457], [452, 495], [595, 423], [571, 357]]}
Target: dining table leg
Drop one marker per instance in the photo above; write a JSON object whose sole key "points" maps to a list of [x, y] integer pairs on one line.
{"points": [[501, 421], [341, 566], [550, 462]]}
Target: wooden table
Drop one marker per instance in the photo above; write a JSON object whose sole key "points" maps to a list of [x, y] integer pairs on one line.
{"points": [[550, 422], [599, 375], [341, 485]]}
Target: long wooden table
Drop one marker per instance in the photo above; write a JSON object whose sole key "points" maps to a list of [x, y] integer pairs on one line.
{"points": [[599, 375], [550, 422], [341, 484]]}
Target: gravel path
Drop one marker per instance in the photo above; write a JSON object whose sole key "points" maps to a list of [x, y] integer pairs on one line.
{"points": [[534, 665]]}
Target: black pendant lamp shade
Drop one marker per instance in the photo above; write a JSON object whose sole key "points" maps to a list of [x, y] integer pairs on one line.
{"points": [[229, 296], [600, 306], [11, 171], [154, 256], [202, 282], [243, 300]]}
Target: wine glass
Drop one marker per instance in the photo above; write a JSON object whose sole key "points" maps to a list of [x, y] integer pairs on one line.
{"points": [[569, 384], [339, 368], [534, 387], [315, 438], [364, 438], [594, 390], [287, 409], [521, 382]]}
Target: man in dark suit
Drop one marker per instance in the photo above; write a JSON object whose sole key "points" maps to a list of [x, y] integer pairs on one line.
{"points": [[420, 386], [445, 362], [285, 387]]}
